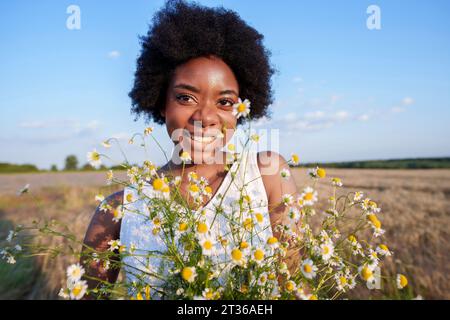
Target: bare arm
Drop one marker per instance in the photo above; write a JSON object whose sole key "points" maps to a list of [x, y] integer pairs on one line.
{"points": [[271, 164], [101, 230]]}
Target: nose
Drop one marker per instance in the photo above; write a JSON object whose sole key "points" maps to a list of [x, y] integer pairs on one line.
{"points": [[207, 116]]}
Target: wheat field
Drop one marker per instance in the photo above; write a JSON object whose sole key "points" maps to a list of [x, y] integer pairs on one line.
{"points": [[415, 213]]}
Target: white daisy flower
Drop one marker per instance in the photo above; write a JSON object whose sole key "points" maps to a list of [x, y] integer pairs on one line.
{"points": [[402, 281], [366, 273], [11, 259], [309, 269], [262, 279], [148, 130], [258, 255], [185, 156], [189, 274], [208, 294], [208, 246], [118, 213], [309, 196], [241, 108], [10, 236], [75, 272], [114, 244], [93, 158], [237, 257], [294, 214], [326, 250], [336, 182], [285, 174], [287, 199], [78, 289], [383, 250], [25, 189], [358, 196], [106, 144]]}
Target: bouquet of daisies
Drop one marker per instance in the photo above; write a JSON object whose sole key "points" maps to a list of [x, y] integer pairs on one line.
{"points": [[317, 254]]}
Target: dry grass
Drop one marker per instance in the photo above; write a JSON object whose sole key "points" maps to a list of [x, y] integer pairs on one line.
{"points": [[415, 206]]}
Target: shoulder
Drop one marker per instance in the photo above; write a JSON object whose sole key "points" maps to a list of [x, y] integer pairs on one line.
{"points": [[270, 163]]}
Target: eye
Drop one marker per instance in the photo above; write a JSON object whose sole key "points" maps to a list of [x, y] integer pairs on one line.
{"points": [[185, 98], [226, 102]]}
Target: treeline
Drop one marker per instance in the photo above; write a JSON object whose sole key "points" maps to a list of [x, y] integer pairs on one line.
{"points": [[414, 163], [71, 163], [9, 167]]}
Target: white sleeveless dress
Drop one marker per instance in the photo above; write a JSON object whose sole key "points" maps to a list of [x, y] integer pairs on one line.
{"points": [[136, 228]]}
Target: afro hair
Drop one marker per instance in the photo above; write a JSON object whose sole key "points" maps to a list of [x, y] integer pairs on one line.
{"points": [[182, 31]]}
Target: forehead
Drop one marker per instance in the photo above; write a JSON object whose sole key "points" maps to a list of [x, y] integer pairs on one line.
{"points": [[205, 72]]}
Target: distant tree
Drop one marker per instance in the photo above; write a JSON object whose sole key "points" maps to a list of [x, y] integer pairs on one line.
{"points": [[53, 167], [71, 163], [87, 167]]}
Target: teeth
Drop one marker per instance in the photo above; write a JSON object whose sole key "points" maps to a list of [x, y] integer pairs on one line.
{"points": [[203, 139]]}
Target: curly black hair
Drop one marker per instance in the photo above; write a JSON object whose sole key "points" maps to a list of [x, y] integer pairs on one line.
{"points": [[182, 31]]}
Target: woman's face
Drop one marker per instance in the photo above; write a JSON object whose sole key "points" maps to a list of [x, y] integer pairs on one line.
{"points": [[199, 105]]}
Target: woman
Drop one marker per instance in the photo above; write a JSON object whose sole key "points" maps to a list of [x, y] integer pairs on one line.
{"points": [[194, 65]]}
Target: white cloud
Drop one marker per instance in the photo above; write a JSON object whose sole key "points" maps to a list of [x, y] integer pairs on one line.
{"points": [[363, 117], [114, 54], [407, 101], [297, 79], [398, 109]]}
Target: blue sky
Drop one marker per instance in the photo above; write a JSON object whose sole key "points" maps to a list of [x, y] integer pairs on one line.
{"points": [[342, 91]]}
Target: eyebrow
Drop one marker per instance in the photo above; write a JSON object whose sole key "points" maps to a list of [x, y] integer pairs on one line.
{"points": [[196, 90]]}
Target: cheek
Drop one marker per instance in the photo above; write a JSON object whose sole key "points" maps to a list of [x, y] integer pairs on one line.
{"points": [[175, 119]]}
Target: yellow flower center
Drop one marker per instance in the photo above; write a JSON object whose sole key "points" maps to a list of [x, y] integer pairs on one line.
{"points": [[208, 189], [76, 290], [289, 286], [207, 245], [343, 280], [158, 184], [209, 295], [321, 173], [248, 224], [384, 247], [129, 197], [193, 176], [259, 217], [236, 254], [202, 227], [271, 276], [183, 226], [325, 250], [258, 255], [352, 238], [313, 297], [241, 108], [366, 273], [244, 245], [403, 281], [373, 218], [272, 240], [194, 188], [308, 196], [307, 268], [187, 273], [295, 158]]}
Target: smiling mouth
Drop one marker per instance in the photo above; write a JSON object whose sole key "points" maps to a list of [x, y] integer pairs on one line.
{"points": [[205, 140]]}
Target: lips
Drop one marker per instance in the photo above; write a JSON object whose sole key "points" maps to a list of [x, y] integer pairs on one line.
{"points": [[203, 139]]}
